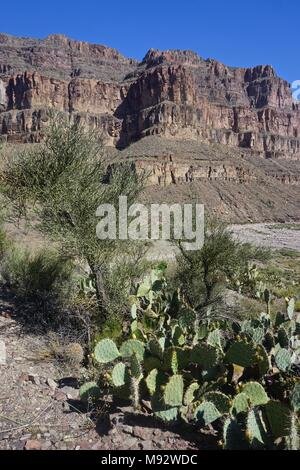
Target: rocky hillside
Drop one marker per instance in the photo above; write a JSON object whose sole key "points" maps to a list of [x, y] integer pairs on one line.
{"points": [[204, 121]]}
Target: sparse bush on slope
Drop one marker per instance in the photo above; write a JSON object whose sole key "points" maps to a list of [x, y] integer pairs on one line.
{"points": [[36, 275]]}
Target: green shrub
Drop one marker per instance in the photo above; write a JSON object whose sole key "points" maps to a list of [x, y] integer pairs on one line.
{"points": [[222, 261]]}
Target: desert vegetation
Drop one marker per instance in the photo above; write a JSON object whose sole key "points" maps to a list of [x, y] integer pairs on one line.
{"points": [[211, 341]]}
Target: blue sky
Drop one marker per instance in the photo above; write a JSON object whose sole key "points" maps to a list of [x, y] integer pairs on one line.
{"points": [[235, 32]]}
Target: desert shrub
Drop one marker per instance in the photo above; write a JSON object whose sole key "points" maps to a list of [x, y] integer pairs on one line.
{"points": [[36, 276], [4, 242], [239, 378], [60, 185], [222, 261]]}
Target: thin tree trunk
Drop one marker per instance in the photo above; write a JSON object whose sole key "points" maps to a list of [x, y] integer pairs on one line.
{"points": [[100, 287]]}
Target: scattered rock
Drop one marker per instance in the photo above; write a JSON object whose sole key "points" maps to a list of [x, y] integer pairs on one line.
{"points": [[129, 443], [52, 384], [23, 378], [83, 445], [127, 429], [33, 444], [146, 445], [70, 392], [34, 379], [46, 445], [60, 396], [141, 433]]}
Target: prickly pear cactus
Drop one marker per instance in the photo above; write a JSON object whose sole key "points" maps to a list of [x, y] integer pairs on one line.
{"points": [[241, 353], [255, 393], [206, 413], [240, 404], [132, 347], [241, 378], [205, 356], [106, 351], [283, 359]]}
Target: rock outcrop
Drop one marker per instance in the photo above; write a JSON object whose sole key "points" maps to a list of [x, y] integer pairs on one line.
{"points": [[243, 122], [172, 93]]}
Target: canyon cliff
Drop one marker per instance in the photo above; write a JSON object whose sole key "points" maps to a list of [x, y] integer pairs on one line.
{"points": [[243, 121]]}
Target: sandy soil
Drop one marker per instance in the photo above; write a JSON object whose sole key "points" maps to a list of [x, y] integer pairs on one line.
{"points": [[269, 235]]}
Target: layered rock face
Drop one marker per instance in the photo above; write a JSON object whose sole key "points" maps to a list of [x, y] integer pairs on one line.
{"points": [[176, 94], [229, 137]]}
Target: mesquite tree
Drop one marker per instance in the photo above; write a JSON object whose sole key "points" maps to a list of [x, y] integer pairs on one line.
{"points": [[59, 185]]}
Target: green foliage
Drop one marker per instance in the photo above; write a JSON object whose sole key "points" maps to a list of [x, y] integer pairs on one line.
{"points": [[221, 261], [118, 375], [36, 275], [106, 351], [241, 353], [205, 356], [58, 186], [226, 376], [255, 393]]}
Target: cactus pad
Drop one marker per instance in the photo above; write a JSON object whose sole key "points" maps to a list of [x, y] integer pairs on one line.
{"points": [[283, 359], [151, 363], [173, 392], [151, 381], [263, 360], [161, 411], [178, 336], [168, 415], [89, 391], [290, 307], [214, 339], [295, 398], [119, 375], [206, 413], [190, 393], [131, 347], [242, 354], [106, 351], [220, 400], [135, 367], [283, 338], [234, 436], [279, 418], [156, 348], [240, 404], [256, 430]]}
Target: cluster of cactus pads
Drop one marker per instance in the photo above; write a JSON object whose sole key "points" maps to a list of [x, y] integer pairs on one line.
{"points": [[239, 377]]}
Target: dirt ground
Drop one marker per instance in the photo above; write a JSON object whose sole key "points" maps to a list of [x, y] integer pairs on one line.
{"points": [[277, 236], [40, 407]]}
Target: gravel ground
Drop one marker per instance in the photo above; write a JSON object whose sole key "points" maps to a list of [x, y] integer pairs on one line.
{"points": [[268, 235]]}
